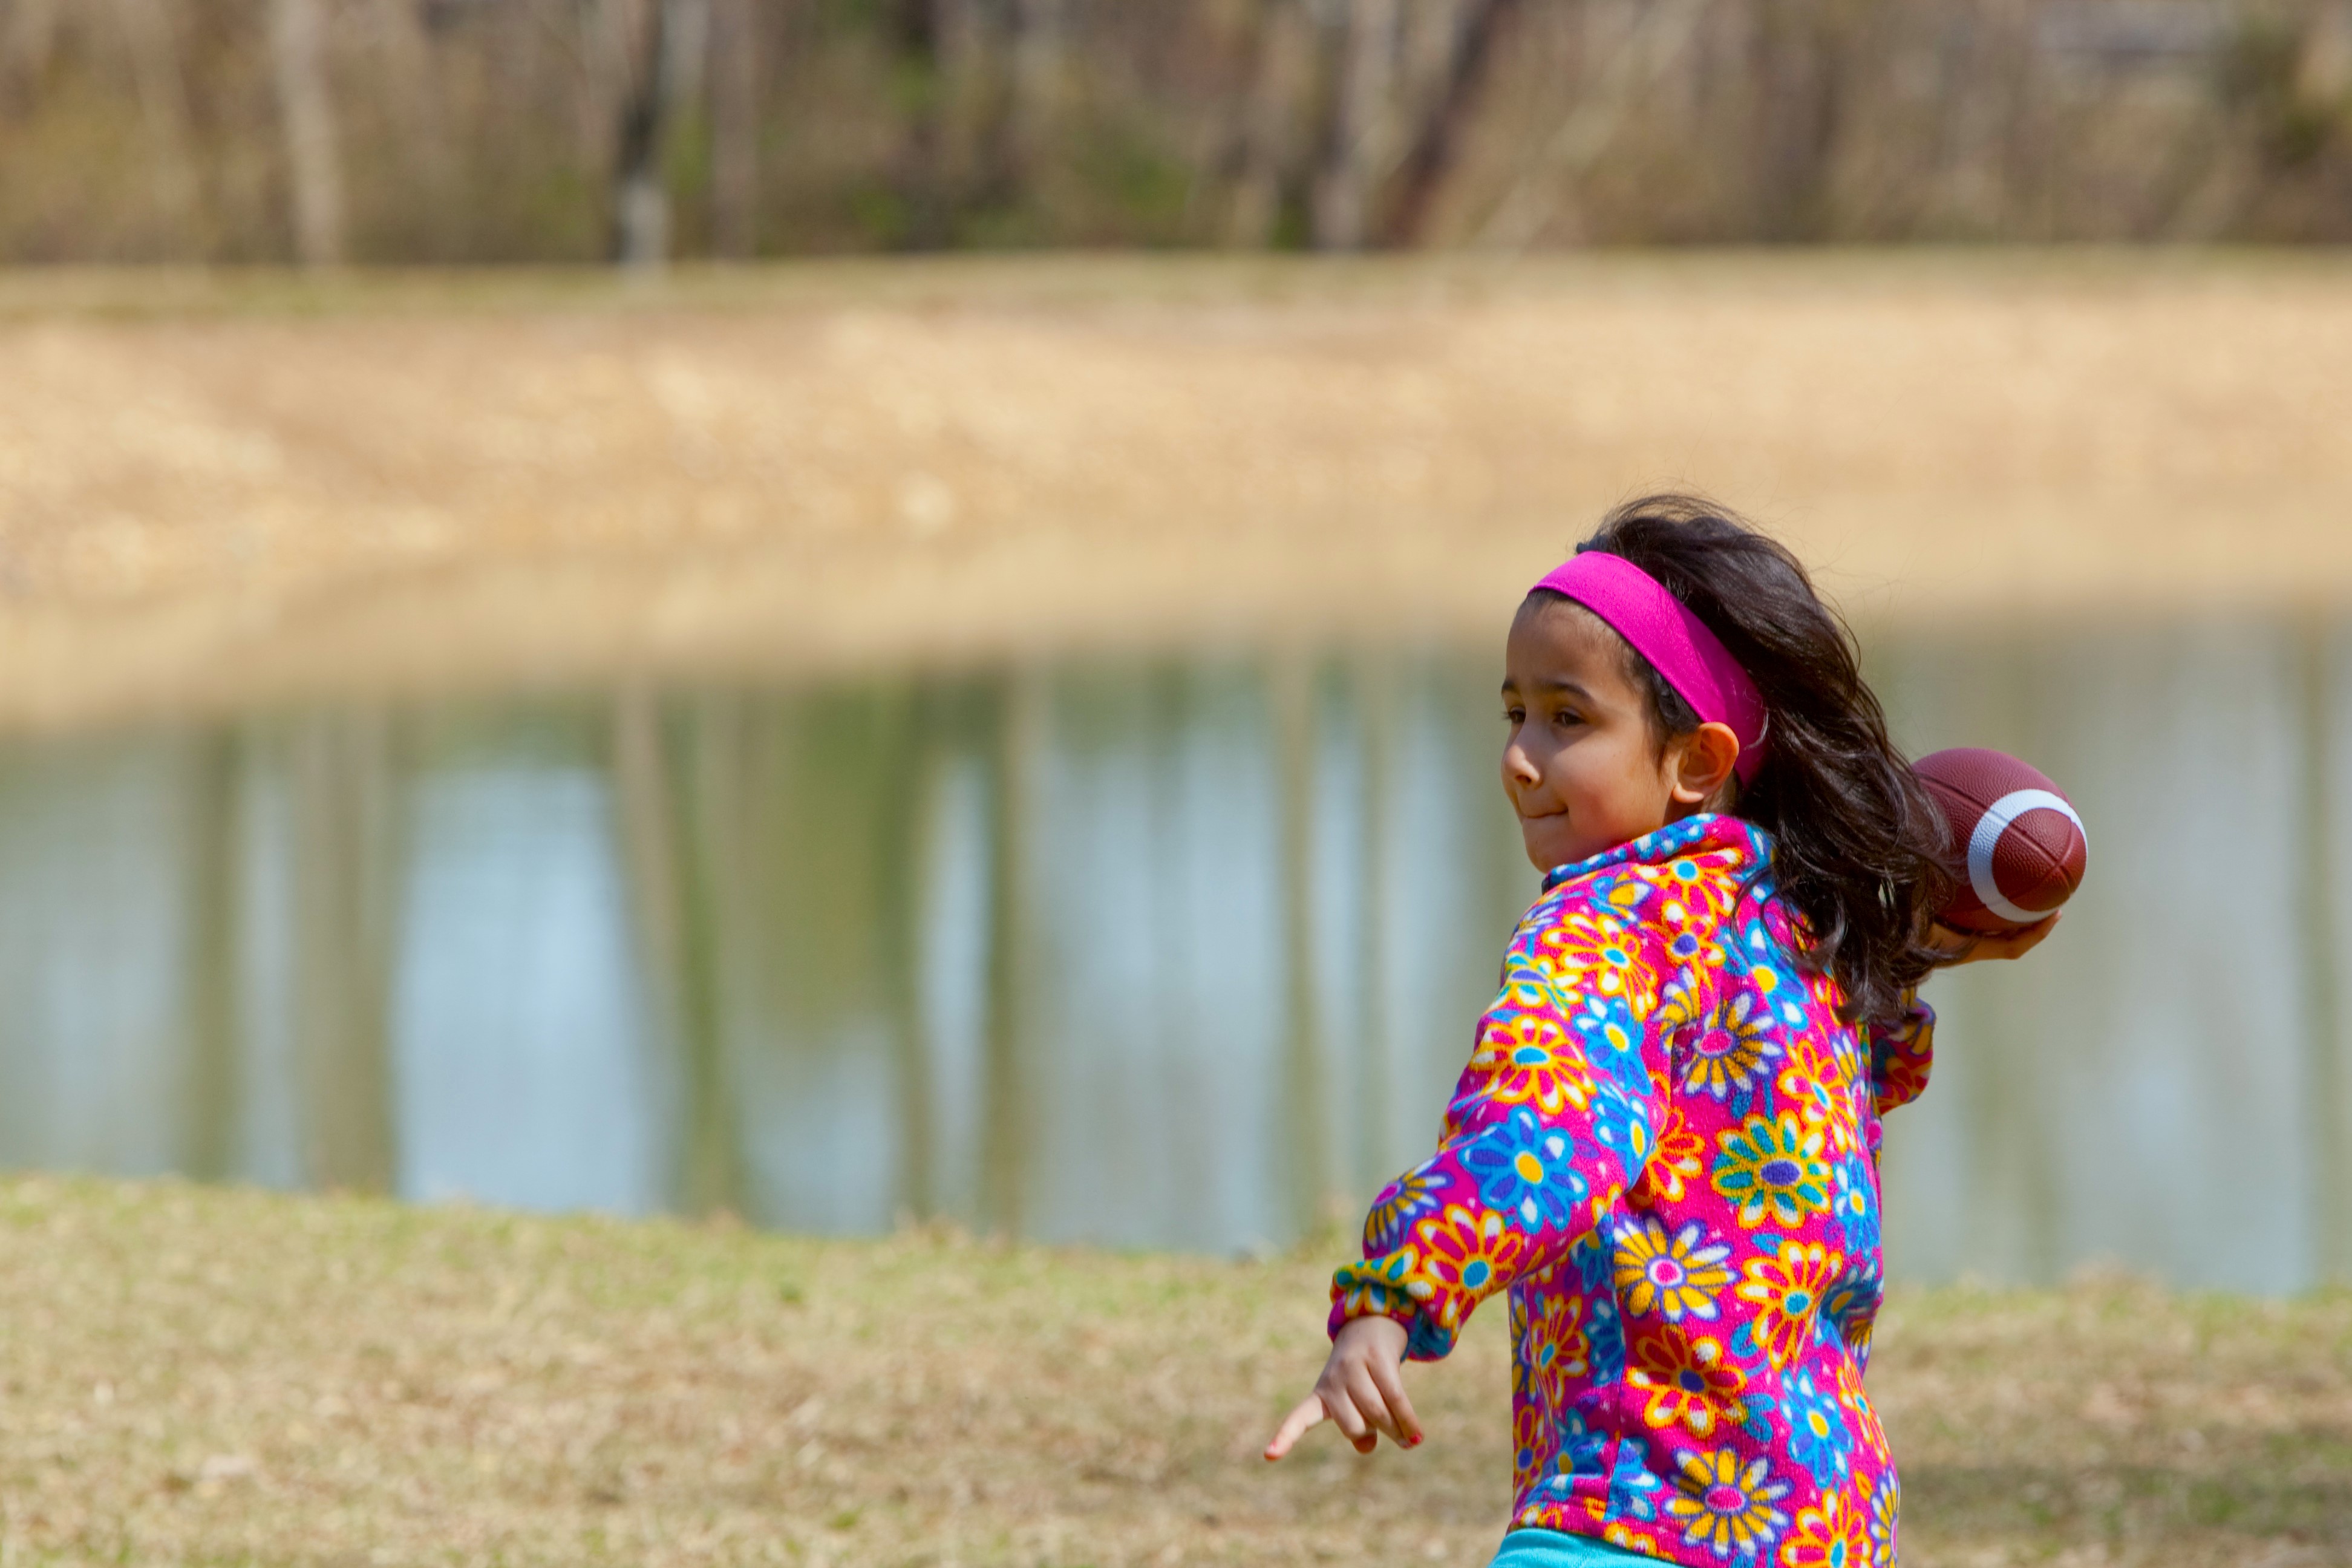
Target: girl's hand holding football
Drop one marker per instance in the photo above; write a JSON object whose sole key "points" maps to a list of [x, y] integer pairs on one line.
{"points": [[1360, 1390], [1967, 948]]}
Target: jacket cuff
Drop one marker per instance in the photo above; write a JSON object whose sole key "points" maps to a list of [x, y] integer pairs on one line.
{"points": [[1386, 1288]]}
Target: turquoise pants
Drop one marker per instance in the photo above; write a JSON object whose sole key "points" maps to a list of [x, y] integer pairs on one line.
{"points": [[1552, 1549]]}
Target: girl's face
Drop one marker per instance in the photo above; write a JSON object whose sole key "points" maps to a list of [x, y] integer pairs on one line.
{"points": [[1581, 765]]}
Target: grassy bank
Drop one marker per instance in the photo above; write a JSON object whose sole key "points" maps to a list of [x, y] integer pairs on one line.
{"points": [[198, 1376]]}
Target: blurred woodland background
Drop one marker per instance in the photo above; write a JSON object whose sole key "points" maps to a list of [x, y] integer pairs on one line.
{"points": [[392, 131]]}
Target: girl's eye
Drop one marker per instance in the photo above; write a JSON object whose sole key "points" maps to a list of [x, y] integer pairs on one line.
{"points": [[1515, 716]]}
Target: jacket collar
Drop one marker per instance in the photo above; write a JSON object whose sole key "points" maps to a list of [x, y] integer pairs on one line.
{"points": [[1694, 835]]}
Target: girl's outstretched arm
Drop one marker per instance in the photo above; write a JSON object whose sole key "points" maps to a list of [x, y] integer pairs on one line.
{"points": [[1360, 1391], [1549, 1124]]}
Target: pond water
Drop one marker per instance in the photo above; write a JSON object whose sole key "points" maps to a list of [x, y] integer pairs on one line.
{"points": [[1179, 954]]}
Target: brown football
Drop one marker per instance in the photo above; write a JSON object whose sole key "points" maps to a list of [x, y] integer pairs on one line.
{"points": [[2012, 840]]}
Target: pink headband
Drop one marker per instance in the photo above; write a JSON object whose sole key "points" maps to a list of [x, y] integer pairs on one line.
{"points": [[1677, 644]]}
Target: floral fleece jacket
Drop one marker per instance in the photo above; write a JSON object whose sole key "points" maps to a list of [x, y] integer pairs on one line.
{"points": [[1665, 1148]]}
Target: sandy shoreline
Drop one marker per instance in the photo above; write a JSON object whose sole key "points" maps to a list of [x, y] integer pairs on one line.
{"points": [[217, 494]]}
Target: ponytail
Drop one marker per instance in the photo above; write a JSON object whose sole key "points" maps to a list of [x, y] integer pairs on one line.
{"points": [[1856, 844]]}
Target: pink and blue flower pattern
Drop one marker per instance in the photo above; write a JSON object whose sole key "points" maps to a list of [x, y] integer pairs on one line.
{"points": [[1664, 1148]]}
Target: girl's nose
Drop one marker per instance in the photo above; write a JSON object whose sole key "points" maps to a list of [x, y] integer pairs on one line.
{"points": [[1517, 770]]}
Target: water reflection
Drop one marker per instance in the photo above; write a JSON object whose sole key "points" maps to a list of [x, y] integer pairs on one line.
{"points": [[2171, 1090], [1169, 955]]}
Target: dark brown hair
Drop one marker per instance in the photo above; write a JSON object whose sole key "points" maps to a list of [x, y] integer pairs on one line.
{"points": [[1856, 844]]}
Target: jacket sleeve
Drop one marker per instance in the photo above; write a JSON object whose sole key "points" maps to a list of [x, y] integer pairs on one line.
{"points": [[1901, 1054], [1550, 1123]]}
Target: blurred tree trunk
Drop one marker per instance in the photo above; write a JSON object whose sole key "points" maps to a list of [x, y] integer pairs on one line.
{"points": [[1798, 79], [154, 52], [27, 42], [306, 110], [971, 146], [1002, 64], [987, 99], [921, 176], [1281, 77], [734, 87], [1659, 38], [1039, 50], [663, 71], [411, 81], [640, 198], [2324, 61], [1454, 108], [1362, 40], [1428, 34]]}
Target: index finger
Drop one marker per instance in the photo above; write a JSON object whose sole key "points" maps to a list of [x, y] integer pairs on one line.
{"points": [[1294, 1427]]}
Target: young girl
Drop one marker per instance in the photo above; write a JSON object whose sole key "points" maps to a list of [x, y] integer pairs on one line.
{"points": [[1666, 1144]]}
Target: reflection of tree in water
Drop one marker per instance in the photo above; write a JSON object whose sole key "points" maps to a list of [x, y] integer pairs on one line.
{"points": [[216, 765], [344, 862], [2319, 653], [1179, 952]]}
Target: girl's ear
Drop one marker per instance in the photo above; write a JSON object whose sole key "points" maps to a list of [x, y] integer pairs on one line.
{"points": [[1703, 763]]}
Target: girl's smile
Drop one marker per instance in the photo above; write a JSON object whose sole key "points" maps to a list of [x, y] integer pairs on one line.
{"points": [[1583, 764]]}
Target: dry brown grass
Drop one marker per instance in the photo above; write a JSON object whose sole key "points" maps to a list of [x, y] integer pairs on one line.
{"points": [[203, 1376], [219, 492]]}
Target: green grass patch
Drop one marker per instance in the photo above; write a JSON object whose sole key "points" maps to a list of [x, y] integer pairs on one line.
{"points": [[206, 1376]]}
